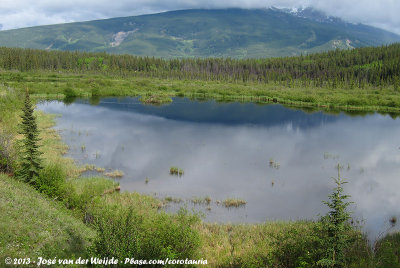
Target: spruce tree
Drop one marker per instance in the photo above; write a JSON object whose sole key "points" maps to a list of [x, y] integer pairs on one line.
{"points": [[336, 223], [30, 157]]}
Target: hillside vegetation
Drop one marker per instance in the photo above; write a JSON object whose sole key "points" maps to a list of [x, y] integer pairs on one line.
{"points": [[236, 33], [34, 226]]}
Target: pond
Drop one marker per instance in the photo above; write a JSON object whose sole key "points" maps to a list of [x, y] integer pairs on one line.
{"points": [[280, 161]]}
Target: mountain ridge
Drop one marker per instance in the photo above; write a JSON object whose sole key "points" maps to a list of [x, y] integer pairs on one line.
{"points": [[237, 33]]}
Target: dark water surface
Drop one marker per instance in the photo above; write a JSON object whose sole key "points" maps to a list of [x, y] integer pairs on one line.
{"points": [[225, 152]]}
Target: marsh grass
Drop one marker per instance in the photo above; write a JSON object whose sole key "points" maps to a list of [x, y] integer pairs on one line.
{"points": [[100, 169], [315, 98], [115, 174], [274, 164], [201, 200], [86, 167], [170, 199], [155, 99], [331, 156], [176, 171], [234, 202]]}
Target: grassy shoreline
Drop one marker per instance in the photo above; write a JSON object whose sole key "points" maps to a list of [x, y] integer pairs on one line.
{"points": [[155, 90]]}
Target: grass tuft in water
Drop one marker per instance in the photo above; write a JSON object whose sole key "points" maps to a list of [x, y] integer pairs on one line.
{"points": [[201, 200], [274, 164], [234, 202], [155, 99], [100, 169], [176, 171], [115, 174], [170, 199]]}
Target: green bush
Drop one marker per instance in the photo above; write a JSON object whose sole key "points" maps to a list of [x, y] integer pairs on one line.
{"points": [[51, 180], [95, 92], [70, 93], [299, 246], [304, 245], [387, 251], [127, 232], [7, 152], [354, 101], [81, 191]]}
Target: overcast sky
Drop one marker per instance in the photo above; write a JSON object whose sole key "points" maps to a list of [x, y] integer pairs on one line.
{"points": [[23, 13]]}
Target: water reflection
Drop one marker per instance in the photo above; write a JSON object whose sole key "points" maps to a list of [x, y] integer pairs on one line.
{"points": [[225, 150]]}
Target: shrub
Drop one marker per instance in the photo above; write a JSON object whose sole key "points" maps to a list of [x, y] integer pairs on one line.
{"points": [[70, 93], [127, 232], [299, 246], [387, 251], [7, 153], [51, 180], [95, 92], [82, 191]]}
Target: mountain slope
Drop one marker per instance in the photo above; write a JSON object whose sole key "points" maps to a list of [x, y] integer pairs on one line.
{"points": [[238, 33]]}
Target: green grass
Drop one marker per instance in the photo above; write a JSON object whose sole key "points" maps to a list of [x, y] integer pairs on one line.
{"points": [[115, 174], [155, 99], [201, 200], [234, 202], [34, 226], [83, 190], [49, 85]]}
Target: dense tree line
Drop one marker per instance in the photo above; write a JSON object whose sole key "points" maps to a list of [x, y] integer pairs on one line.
{"points": [[370, 66]]}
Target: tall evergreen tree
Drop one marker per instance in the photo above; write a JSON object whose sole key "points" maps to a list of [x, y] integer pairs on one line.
{"points": [[30, 157]]}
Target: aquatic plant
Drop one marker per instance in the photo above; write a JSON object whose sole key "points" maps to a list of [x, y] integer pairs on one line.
{"points": [[330, 156], [155, 99], [86, 167], [170, 199], [115, 174], [274, 164], [201, 200], [176, 171], [393, 221], [234, 202], [100, 169]]}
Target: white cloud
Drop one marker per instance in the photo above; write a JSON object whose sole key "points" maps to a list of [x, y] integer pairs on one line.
{"points": [[23, 13]]}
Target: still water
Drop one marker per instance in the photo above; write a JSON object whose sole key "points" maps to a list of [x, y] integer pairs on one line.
{"points": [[279, 160]]}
